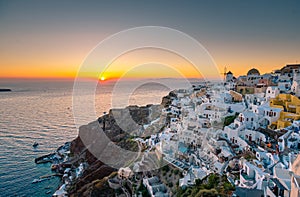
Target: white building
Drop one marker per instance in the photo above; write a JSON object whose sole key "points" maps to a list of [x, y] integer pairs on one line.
{"points": [[252, 177], [256, 99], [282, 140], [272, 92], [295, 88], [155, 187], [249, 119], [232, 133], [284, 83], [266, 114], [214, 113], [191, 176]]}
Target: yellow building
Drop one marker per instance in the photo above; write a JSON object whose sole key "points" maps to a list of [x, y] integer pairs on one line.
{"points": [[290, 106], [236, 97]]}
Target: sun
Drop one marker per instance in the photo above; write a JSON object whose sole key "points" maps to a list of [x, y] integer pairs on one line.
{"points": [[102, 78]]}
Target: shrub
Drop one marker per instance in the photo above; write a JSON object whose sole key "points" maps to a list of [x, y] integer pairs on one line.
{"points": [[229, 119], [207, 193], [166, 168]]}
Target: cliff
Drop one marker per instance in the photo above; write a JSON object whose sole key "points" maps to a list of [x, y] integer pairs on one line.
{"points": [[119, 125]]}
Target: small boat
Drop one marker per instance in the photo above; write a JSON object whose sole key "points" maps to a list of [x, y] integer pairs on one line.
{"points": [[36, 180], [35, 144], [39, 180], [48, 192]]}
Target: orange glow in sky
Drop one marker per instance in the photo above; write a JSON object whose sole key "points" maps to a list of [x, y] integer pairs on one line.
{"points": [[147, 63], [52, 40]]}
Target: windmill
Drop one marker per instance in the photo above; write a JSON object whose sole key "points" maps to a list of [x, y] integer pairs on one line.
{"points": [[224, 73]]}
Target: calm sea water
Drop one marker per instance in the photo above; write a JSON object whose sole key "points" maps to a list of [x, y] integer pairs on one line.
{"points": [[42, 111]]}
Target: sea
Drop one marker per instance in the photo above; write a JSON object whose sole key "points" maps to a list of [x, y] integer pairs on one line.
{"points": [[40, 110]]}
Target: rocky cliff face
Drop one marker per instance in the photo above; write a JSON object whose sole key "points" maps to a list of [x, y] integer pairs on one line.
{"points": [[166, 100], [118, 126]]}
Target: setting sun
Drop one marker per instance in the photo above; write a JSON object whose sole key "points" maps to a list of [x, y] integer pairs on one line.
{"points": [[102, 78]]}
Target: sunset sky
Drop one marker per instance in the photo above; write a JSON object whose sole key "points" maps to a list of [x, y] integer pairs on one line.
{"points": [[51, 38]]}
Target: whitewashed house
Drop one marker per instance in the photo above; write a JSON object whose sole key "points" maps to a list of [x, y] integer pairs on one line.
{"points": [[266, 114], [221, 97], [232, 133], [251, 176], [252, 136], [262, 156], [249, 119], [284, 83], [272, 92], [214, 113], [191, 176], [155, 187], [295, 88], [256, 98], [282, 140]]}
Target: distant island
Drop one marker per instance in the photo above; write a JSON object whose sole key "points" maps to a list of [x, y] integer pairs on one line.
{"points": [[5, 90]]}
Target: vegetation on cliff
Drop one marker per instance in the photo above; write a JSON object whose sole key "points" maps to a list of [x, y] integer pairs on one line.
{"points": [[214, 185]]}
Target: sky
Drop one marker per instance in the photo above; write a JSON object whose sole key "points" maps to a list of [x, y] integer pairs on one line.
{"points": [[51, 39]]}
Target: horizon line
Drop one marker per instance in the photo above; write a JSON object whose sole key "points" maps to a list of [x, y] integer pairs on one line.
{"points": [[109, 79]]}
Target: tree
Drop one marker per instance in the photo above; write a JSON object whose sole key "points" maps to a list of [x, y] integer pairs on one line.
{"points": [[229, 119]]}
